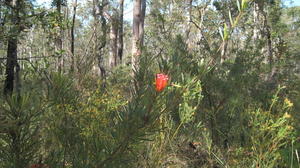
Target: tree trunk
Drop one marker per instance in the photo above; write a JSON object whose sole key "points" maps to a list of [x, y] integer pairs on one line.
{"points": [[73, 37], [189, 24], [261, 16], [113, 42], [59, 44], [12, 50], [264, 33], [135, 33], [120, 32], [99, 11], [139, 10], [11, 63], [142, 22], [103, 40], [269, 46]]}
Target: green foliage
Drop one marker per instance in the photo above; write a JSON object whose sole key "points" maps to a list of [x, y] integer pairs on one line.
{"points": [[191, 99], [20, 129], [271, 134]]}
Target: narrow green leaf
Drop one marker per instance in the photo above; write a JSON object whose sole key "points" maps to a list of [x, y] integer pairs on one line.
{"points": [[221, 33], [238, 5], [230, 17], [244, 4], [226, 34]]}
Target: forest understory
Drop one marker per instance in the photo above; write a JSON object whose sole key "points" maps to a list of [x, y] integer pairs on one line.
{"points": [[149, 84]]}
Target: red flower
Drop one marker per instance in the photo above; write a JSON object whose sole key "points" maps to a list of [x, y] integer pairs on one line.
{"points": [[161, 82]]}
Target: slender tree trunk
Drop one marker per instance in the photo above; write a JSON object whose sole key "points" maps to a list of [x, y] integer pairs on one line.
{"points": [[59, 44], [12, 56], [101, 63], [189, 24], [73, 36], [100, 46], [135, 33], [258, 12], [12, 50], [269, 46], [113, 42], [142, 22], [139, 10], [12, 78], [120, 33]]}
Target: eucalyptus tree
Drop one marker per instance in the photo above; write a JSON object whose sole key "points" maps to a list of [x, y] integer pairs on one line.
{"points": [[139, 11], [100, 41], [18, 14], [73, 35], [121, 31], [59, 4]]}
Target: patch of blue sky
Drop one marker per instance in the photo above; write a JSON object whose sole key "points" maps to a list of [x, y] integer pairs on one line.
{"points": [[291, 3]]}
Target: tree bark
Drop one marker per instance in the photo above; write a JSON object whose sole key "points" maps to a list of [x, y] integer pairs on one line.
{"points": [[142, 22], [59, 44], [120, 31], [73, 36], [189, 24], [100, 46], [11, 63], [113, 41], [260, 18], [12, 50], [139, 10]]}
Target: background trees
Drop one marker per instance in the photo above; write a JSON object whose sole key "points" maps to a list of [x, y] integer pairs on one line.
{"points": [[69, 100]]}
